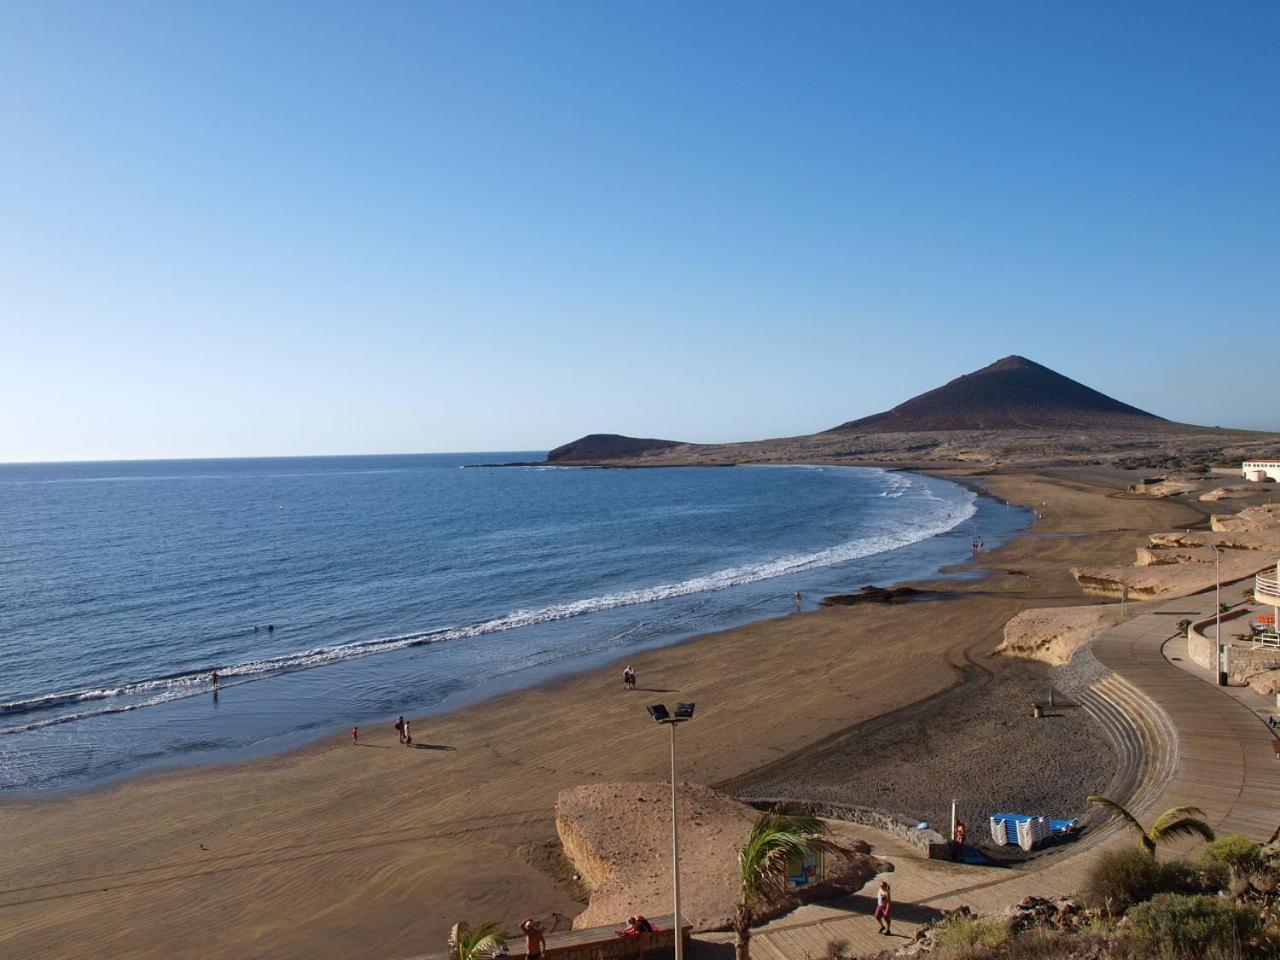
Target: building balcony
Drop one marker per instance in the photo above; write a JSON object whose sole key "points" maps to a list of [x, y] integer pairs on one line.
{"points": [[1266, 588]]}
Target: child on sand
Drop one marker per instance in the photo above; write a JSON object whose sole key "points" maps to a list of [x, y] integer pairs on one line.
{"points": [[408, 737], [884, 907]]}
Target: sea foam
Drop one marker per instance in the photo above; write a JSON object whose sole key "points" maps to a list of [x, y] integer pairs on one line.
{"points": [[145, 692]]}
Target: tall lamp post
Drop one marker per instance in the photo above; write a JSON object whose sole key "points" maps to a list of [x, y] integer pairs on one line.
{"points": [[1217, 594], [683, 712], [1217, 615]]}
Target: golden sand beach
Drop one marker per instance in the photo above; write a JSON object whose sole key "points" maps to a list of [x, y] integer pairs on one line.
{"points": [[375, 850]]}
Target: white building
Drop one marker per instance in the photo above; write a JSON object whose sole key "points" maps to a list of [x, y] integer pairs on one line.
{"points": [[1261, 469]]}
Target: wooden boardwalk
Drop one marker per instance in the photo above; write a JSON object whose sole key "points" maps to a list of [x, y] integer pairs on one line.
{"points": [[1197, 743], [1226, 765]]}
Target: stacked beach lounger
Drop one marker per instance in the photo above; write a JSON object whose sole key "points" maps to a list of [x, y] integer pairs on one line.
{"points": [[1026, 831]]}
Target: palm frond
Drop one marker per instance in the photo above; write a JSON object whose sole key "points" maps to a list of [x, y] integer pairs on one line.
{"points": [[1172, 814], [773, 841], [1145, 842], [1185, 827], [479, 942], [1117, 809]]}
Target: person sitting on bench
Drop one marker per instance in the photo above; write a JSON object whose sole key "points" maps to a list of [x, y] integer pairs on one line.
{"points": [[636, 926]]}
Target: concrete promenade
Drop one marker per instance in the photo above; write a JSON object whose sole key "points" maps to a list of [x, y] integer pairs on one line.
{"points": [[1188, 742]]}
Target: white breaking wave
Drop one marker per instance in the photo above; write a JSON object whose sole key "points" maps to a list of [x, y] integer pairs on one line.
{"points": [[175, 687]]}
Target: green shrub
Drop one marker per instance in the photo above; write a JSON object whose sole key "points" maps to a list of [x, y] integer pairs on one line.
{"points": [[1120, 878], [1233, 852], [1041, 944], [1174, 927], [963, 938]]}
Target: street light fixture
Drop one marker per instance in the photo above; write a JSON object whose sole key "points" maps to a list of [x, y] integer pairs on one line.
{"points": [[660, 713], [1217, 592], [1217, 614]]}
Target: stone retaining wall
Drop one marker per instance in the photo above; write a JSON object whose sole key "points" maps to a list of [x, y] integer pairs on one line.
{"points": [[1201, 647], [1243, 662], [933, 843]]}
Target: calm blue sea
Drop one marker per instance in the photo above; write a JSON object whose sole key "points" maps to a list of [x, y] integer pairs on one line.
{"points": [[396, 584]]}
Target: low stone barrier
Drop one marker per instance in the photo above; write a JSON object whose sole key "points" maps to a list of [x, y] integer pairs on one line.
{"points": [[933, 843], [1203, 649]]}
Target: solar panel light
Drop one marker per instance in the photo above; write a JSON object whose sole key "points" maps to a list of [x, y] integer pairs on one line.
{"points": [[684, 711], [659, 712]]}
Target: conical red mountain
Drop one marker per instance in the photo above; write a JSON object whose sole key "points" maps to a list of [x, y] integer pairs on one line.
{"points": [[1012, 394]]}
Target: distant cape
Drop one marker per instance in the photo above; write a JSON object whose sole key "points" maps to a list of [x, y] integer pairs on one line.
{"points": [[1015, 404], [608, 446]]}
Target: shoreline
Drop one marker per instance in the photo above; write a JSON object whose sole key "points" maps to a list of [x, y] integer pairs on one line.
{"points": [[336, 851], [495, 689]]}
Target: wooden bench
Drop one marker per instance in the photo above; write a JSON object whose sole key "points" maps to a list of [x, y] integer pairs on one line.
{"points": [[599, 943]]}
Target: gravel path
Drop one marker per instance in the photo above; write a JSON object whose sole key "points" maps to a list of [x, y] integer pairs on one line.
{"points": [[976, 742]]}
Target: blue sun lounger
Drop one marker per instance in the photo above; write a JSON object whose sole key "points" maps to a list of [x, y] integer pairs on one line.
{"points": [[1026, 830]]}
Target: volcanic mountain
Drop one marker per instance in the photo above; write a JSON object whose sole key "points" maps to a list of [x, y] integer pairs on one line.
{"points": [[1011, 394]]}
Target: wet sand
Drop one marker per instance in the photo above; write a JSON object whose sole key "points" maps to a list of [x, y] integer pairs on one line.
{"points": [[376, 850]]}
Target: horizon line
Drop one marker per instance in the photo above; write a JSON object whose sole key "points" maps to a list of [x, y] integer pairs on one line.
{"points": [[267, 456]]}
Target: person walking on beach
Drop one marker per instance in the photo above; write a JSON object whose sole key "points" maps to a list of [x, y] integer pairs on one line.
{"points": [[213, 678], [400, 727], [408, 737], [355, 734], [534, 942], [629, 678], [884, 908]]}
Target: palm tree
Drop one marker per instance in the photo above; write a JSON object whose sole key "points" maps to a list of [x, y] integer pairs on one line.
{"points": [[762, 866], [477, 944], [1173, 823]]}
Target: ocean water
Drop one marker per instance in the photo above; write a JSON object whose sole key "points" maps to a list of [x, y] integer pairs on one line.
{"points": [[340, 590]]}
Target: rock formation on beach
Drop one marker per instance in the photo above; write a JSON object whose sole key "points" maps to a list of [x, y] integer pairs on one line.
{"points": [[1177, 564], [1054, 634], [618, 837]]}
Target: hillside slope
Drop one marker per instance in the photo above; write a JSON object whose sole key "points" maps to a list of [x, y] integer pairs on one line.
{"points": [[1011, 394]]}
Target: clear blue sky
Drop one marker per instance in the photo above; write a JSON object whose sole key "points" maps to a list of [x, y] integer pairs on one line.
{"points": [[268, 228]]}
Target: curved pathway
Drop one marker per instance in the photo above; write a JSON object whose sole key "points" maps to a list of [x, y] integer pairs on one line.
{"points": [[1184, 741], [1225, 762], [1199, 746]]}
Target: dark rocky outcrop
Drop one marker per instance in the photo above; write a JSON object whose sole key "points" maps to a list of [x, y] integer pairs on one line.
{"points": [[873, 594], [598, 447], [1011, 394]]}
